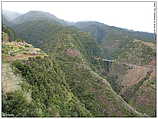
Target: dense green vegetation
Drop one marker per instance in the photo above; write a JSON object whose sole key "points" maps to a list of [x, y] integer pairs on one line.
{"points": [[112, 39], [136, 52], [72, 80], [49, 93], [142, 94], [36, 32], [73, 52], [148, 101]]}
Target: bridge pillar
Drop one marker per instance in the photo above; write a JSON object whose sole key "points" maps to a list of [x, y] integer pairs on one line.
{"points": [[107, 65]]}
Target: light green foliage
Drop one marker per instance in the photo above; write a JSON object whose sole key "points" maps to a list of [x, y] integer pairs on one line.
{"points": [[145, 98], [19, 48], [50, 93], [65, 84], [136, 53], [111, 39]]}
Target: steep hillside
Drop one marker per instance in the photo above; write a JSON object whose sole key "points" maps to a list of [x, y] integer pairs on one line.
{"points": [[135, 79], [13, 48], [44, 92], [33, 85], [137, 52], [110, 38], [69, 73], [37, 32], [144, 99], [73, 52], [64, 84]]}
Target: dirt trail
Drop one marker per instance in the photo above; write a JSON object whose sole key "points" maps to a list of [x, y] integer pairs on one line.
{"points": [[10, 81], [20, 56]]}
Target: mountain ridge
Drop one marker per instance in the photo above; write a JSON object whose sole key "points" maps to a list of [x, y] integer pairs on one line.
{"points": [[73, 23], [73, 70]]}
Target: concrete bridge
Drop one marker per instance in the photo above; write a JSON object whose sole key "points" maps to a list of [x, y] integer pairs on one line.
{"points": [[105, 62], [108, 63]]}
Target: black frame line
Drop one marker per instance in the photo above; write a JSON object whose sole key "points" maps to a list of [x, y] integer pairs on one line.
{"points": [[78, 1]]}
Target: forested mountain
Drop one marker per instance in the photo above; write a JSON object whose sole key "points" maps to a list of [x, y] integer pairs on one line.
{"points": [[133, 76], [111, 38], [38, 15], [101, 30], [66, 75]]}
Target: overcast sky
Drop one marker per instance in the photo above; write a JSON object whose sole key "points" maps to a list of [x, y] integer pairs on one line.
{"points": [[137, 16]]}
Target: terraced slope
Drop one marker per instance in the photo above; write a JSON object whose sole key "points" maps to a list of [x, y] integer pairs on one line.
{"points": [[145, 97], [66, 81], [138, 81], [111, 39], [22, 98], [73, 51], [64, 84]]}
